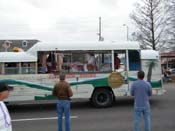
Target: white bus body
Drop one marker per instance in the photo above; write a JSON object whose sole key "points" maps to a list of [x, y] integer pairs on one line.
{"points": [[101, 84]]}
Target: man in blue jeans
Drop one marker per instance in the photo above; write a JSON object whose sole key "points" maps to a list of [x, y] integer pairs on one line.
{"points": [[63, 92], [141, 90]]}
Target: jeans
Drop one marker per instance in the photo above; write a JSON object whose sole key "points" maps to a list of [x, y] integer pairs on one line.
{"points": [[146, 114], [63, 106]]}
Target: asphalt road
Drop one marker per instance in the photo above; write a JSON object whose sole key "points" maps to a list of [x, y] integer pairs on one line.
{"points": [[119, 117]]}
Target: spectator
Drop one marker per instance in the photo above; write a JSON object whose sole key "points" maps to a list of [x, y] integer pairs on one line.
{"points": [[141, 91], [63, 92], [5, 120]]}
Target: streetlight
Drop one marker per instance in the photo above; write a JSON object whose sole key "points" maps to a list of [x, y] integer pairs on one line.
{"points": [[127, 32]]}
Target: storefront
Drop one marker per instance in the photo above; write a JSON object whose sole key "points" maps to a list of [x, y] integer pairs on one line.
{"points": [[168, 60]]}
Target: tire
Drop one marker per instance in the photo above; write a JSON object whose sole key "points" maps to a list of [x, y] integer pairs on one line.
{"points": [[102, 98]]}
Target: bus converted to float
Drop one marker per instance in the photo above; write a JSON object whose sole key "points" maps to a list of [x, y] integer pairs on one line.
{"points": [[90, 67]]}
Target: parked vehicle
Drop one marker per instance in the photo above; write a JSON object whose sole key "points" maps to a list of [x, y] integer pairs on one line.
{"points": [[172, 70]]}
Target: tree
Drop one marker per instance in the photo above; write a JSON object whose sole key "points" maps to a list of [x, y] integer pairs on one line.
{"points": [[170, 30], [149, 20]]}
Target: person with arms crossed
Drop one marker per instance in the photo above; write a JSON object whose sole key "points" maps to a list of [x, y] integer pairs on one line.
{"points": [[141, 90], [63, 92], [5, 120]]}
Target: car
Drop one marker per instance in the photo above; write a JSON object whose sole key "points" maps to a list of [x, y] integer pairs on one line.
{"points": [[172, 70]]}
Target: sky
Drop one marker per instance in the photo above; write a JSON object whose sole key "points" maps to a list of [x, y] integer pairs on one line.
{"points": [[65, 20]]}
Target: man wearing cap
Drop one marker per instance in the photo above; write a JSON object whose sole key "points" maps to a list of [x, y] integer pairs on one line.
{"points": [[5, 120], [63, 92]]}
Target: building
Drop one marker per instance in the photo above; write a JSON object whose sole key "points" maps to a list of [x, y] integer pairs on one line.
{"points": [[12, 45], [168, 60]]}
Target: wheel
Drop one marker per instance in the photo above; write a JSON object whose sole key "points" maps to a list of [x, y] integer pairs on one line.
{"points": [[102, 98]]}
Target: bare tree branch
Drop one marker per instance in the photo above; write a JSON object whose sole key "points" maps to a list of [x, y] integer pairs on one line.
{"points": [[149, 18]]}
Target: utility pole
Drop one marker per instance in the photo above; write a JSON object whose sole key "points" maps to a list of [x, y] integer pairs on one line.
{"points": [[127, 32], [99, 34]]}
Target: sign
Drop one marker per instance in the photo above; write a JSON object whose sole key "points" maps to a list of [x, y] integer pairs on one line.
{"points": [[115, 79]]}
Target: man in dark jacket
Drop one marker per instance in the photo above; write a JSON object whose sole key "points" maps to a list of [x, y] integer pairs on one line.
{"points": [[63, 92]]}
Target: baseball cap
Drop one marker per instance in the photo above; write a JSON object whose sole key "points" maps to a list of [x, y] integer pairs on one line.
{"points": [[4, 87]]}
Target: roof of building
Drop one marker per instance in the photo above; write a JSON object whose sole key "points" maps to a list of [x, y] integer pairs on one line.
{"points": [[169, 54], [17, 43], [16, 57]]}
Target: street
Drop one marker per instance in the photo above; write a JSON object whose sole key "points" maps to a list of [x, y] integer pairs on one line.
{"points": [[84, 117]]}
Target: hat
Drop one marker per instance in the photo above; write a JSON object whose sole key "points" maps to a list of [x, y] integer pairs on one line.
{"points": [[4, 87], [62, 76]]}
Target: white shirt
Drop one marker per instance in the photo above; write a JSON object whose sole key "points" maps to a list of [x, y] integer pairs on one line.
{"points": [[5, 120], [90, 59]]}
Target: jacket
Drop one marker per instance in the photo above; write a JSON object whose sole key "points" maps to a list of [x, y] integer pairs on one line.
{"points": [[62, 90]]}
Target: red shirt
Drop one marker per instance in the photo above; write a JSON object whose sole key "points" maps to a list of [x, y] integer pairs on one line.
{"points": [[116, 63]]}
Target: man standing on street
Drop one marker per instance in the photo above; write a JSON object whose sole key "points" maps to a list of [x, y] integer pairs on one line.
{"points": [[5, 120], [141, 90], [63, 92]]}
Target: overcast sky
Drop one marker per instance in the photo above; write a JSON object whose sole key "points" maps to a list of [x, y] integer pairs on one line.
{"points": [[61, 20]]}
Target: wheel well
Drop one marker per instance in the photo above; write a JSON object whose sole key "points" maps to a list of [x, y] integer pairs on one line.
{"points": [[104, 87]]}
